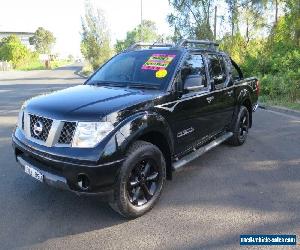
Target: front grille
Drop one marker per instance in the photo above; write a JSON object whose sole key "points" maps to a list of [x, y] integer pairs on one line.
{"points": [[46, 126], [67, 133]]}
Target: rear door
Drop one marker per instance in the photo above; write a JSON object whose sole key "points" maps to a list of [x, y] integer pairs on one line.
{"points": [[223, 95]]}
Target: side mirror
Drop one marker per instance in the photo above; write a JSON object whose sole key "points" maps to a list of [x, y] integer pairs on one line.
{"points": [[193, 83]]}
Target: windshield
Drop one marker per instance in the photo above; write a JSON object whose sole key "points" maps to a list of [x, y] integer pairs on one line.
{"points": [[145, 69]]}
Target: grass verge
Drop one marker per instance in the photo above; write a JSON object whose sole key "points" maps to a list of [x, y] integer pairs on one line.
{"points": [[87, 70], [282, 102], [38, 65]]}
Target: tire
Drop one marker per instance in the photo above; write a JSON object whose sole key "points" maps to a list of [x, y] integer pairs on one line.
{"points": [[141, 180], [240, 128]]}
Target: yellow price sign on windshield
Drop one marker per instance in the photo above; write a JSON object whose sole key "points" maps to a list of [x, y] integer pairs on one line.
{"points": [[161, 73]]}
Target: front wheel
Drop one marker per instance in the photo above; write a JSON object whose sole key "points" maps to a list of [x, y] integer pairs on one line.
{"points": [[241, 127], [140, 181]]}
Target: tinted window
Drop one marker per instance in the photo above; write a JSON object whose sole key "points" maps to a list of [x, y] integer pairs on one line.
{"points": [[197, 77], [217, 70], [236, 71], [149, 67], [235, 74]]}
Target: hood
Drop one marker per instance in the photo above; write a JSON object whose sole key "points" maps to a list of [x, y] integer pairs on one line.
{"points": [[86, 102]]}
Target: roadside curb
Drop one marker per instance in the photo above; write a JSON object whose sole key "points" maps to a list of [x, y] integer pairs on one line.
{"points": [[78, 72], [279, 109]]}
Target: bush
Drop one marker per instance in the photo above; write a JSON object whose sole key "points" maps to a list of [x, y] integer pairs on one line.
{"points": [[87, 70], [283, 86], [12, 50], [275, 60]]}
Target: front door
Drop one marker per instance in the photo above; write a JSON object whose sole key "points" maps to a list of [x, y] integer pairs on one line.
{"points": [[192, 113]]}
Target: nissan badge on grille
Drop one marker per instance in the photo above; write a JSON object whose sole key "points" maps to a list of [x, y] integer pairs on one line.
{"points": [[38, 128]]}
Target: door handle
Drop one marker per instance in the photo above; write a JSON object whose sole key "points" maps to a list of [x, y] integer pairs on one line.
{"points": [[218, 78], [230, 92], [209, 99]]}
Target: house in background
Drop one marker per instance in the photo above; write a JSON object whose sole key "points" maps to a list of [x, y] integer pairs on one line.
{"points": [[24, 36]]}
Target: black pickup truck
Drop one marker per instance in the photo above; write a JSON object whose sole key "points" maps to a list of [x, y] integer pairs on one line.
{"points": [[144, 114]]}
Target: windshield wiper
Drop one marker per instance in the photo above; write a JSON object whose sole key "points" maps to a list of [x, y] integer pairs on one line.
{"points": [[126, 84], [143, 86], [108, 83]]}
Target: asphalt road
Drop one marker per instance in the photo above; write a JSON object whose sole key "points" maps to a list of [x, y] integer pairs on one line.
{"points": [[227, 192]]}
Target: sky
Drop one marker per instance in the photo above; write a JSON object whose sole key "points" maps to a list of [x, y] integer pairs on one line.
{"points": [[62, 17]]}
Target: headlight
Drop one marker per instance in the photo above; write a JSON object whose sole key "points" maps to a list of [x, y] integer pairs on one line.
{"points": [[89, 134]]}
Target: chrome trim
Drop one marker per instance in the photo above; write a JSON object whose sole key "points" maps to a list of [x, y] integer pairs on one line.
{"points": [[171, 109], [20, 119], [189, 97], [54, 133], [255, 107], [27, 125], [185, 132], [62, 145], [198, 152], [210, 99]]}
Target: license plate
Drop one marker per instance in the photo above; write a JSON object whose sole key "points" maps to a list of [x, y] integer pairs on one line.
{"points": [[34, 173]]}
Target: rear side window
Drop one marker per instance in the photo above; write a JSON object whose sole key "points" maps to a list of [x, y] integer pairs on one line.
{"points": [[217, 70], [235, 74]]}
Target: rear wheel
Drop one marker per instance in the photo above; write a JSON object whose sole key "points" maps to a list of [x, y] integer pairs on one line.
{"points": [[241, 127], [140, 181]]}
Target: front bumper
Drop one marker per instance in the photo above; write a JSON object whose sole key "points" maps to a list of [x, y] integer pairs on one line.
{"points": [[48, 178], [64, 172]]}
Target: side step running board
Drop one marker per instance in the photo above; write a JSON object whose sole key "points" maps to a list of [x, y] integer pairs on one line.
{"points": [[192, 156]]}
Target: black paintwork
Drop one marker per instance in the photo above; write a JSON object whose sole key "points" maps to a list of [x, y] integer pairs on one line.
{"points": [[159, 116]]}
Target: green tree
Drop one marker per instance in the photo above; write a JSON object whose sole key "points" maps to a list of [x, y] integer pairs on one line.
{"points": [[233, 6], [251, 14], [42, 40], [12, 50], [95, 38], [145, 32], [191, 18], [294, 19], [71, 58], [265, 47]]}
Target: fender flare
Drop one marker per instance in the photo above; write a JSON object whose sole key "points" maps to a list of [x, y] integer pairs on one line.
{"points": [[243, 97], [139, 124]]}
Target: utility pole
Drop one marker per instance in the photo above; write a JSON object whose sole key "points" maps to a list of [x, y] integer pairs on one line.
{"points": [[141, 21], [215, 23]]}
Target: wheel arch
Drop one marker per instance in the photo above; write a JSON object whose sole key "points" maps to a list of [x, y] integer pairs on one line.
{"points": [[244, 99], [159, 140], [152, 128], [247, 103]]}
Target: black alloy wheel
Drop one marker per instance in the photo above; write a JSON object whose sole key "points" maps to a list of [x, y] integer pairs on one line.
{"points": [[244, 126], [140, 181], [240, 127], [143, 182]]}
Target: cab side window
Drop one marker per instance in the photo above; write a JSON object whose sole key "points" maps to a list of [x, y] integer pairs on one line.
{"points": [[217, 70], [196, 79]]}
